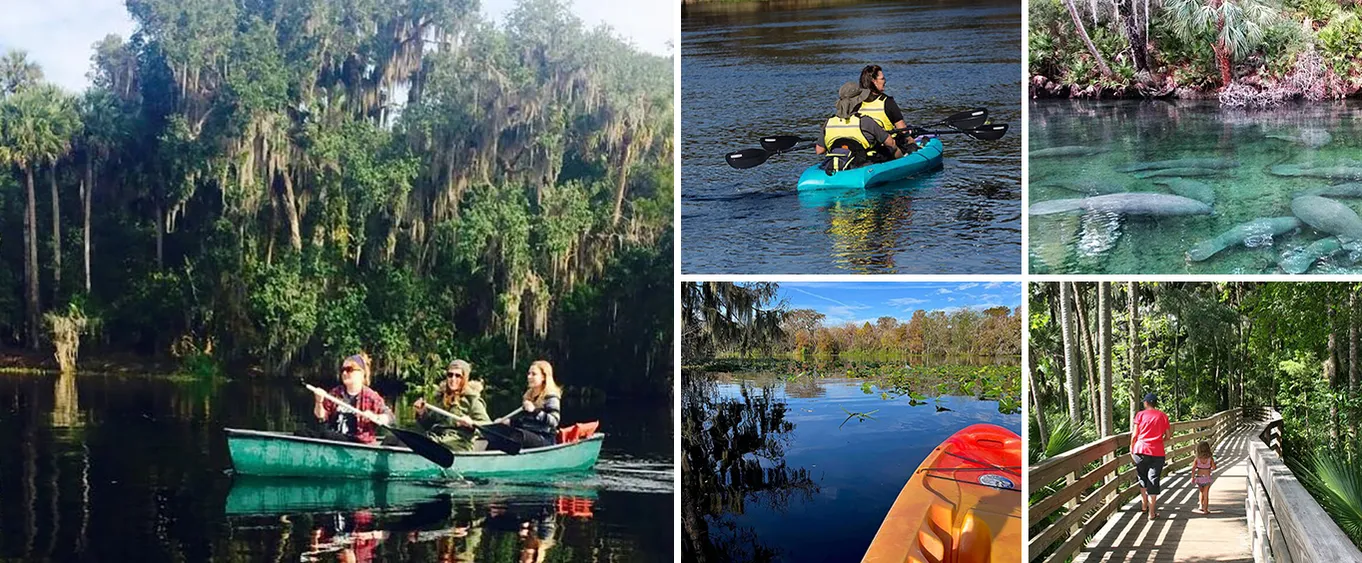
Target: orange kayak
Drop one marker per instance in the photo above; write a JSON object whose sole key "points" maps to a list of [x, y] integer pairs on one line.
{"points": [[962, 505]]}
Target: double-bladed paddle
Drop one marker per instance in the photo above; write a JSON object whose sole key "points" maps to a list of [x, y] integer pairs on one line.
{"points": [[509, 446], [972, 123], [418, 442]]}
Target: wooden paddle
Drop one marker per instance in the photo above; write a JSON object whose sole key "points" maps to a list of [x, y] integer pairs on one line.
{"points": [[510, 446], [418, 442]]}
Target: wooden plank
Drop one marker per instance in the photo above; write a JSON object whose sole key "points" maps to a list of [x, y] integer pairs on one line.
{"points": [[1065, 524], [1072, 461], [1048, 505], [1077, 541], [1309, 533]]}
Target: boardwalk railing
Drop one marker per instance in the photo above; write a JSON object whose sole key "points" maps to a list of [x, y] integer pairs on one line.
{"points": [[1089, 494], [1286, 523]]}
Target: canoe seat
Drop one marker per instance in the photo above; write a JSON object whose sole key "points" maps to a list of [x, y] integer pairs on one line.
{"points": [[579, 431]]}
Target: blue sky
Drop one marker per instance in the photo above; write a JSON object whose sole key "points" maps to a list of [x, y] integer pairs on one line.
{"points": [[867, 301], [58, 33]]}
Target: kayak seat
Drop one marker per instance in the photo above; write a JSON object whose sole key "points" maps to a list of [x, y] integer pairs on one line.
{"points": [[579, 431]]}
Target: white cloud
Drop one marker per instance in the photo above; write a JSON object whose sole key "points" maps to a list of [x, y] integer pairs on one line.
{"points": [[906, 301], [966, 286], [58, 34], [942, 291]]}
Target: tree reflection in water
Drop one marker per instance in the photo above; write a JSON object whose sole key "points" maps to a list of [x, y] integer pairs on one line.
{"points": [[732, 457]]}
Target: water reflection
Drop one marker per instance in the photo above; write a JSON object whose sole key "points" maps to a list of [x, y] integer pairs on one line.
{"points": [[733, 456], [128, 468]]}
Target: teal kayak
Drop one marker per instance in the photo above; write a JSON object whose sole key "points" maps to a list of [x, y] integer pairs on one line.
{"points": [[275, 454], [922, 160]]}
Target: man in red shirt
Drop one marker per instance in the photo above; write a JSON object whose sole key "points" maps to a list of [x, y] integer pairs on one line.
{"points": [[1150, 431]]}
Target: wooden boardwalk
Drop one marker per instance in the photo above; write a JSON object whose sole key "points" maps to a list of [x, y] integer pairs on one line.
{"points": [[1180, 534]]}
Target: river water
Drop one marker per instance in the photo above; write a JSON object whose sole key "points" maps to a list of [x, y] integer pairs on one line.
{"points": [[788, 475], [103, 468], [746, 73], [1251, 143]]}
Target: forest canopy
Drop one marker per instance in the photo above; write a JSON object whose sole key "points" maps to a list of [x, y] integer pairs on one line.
{"points": [[271, 184]]}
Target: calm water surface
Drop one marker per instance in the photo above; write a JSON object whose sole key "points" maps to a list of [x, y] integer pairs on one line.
{"points": [[750, 73], [1127, 132], [789, 477], [136, 469]]}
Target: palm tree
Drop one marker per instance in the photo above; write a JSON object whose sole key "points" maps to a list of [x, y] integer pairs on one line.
{"points": [[1066, 324], [16, 72], [1105, 422], [101, 120], [1083, 34], [33, 134], [1236, 27], [63, 122]]}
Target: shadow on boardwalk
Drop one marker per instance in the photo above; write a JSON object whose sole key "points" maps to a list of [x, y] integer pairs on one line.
{"points": [[1180, 534]]}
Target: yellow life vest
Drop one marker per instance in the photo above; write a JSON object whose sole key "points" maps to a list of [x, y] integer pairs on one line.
{"points": [[874, 109], [838, 128]]}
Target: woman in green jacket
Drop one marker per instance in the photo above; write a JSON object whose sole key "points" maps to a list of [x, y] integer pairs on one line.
{"points": [[460, 396]]}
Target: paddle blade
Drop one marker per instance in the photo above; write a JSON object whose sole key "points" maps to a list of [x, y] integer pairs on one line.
{"points": [[778, 143], [747, 158], [967, 119], [424, 447], [988, 132]]}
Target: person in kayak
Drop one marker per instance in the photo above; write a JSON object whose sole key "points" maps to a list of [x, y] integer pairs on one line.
{"points": [[1151, 430], [879, 105], [354, 390], [853, 139], [462, 397], [536, 424]]}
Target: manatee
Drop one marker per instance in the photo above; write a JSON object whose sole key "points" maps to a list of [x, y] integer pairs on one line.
{"points": [[1178, 173], [1326, 172], [1350, 189], [1134, 203], [1313, 138], [1086, 186], [1300, 262], [1328, 216], [1271, 226], [1075, 150], [1218, 163], [1199, 191]]}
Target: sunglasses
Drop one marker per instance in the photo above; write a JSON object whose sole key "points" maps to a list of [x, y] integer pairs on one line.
{"points": [[453, 374], [350, 369]]}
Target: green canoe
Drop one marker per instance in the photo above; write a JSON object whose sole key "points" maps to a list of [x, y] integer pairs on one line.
{"points": [[271, 495], [276, 454]]}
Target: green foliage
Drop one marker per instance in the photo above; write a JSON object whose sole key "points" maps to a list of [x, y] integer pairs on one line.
{"points": [[305, 210], [1316, 10], [1341, 41], [1335, 479]]}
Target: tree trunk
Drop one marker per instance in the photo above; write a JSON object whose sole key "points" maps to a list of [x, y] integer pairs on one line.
{"points": [[56, 238], [1070, 353], [623, 185], [1222, 55], [295, 236], [1104, 350], [31, 259], [1083, 34], [87, 194], [1137, 394], [1352, 343], [1089, 350], [160, 236], [1042, 426], [1139, 52], [1331, 375]]}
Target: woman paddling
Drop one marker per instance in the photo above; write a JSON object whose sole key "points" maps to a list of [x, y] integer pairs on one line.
{"points": [[536, 425], [880, 106], [354, 390], [1146, 449], [460, 396]]}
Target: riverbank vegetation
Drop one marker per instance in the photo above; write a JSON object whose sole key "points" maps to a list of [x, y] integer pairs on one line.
{"points": [[746, 318], [1204, 348], [1254, 53], [271, 187]]}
